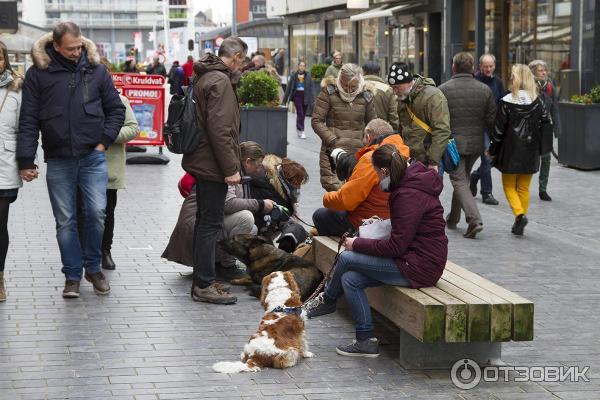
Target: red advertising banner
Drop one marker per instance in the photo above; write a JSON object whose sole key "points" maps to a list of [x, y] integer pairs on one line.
{"points": [[146, 93]]}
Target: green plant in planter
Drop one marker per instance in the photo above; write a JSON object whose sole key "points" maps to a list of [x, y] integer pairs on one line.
{"points": [[258, 89], [595, 94], [317, 71], [581, 99]]}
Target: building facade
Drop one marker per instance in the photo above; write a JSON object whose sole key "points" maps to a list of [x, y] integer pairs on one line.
{"points": [[115, 26], [425, 34]]}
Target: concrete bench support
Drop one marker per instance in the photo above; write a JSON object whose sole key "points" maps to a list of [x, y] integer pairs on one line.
{"points": [[415, 354]]}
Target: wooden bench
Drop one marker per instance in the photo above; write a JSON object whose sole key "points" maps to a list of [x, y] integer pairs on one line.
{"points": [[463, 316]]}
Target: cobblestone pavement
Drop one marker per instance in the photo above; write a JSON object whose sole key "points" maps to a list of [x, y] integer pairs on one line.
{"points": [[148, 340]]}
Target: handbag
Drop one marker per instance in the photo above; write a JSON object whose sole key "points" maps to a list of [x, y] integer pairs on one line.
{"points": [[375, 228], [451, 157]]}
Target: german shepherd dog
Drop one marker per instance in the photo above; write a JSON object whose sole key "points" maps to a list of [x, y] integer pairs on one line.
{"points": [[262, 258]]}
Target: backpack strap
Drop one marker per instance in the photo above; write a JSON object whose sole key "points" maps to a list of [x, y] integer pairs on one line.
{"points": [[418, 121]]}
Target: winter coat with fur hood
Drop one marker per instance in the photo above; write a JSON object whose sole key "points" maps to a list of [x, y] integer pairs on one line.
{"points": [[75, 106], [9, 124], [218, 153], [340, 125]]}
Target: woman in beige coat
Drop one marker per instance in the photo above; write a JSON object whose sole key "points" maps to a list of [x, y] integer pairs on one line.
{"points": [[342, 110], [115, 156]]}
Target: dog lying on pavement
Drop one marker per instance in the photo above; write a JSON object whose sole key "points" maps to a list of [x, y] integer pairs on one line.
{"points": [[280, 339], [262, 258]]}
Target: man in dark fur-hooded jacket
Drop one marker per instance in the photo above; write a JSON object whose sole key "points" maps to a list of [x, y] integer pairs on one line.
{"points": [[70, 97]]}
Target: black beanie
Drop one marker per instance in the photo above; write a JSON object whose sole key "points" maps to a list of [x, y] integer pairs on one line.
{"points": [[399, 74]]}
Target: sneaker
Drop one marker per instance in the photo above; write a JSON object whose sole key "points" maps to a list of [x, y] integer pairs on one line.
{"points": [[519, 225], [99, 282], [107, 260], [227, 274], [212, 294], [319, 306], [71, 290], [473, 185], [299, 133], [489, 199], [473, 230], [2, 287], [225, 287], [544, 196], [302, 135], [360, 348]]}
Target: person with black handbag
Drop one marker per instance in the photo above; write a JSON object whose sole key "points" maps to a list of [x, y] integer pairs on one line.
{"points": [[523, 131]]}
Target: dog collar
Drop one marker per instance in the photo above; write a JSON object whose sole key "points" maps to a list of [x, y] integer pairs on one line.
{"points": [[287, 310]]}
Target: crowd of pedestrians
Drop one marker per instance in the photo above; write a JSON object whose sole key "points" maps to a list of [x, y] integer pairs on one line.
{"points": [[382, 145]]}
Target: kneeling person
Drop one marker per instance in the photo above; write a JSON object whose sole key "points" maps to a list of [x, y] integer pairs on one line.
{"points": [[360, 197]]}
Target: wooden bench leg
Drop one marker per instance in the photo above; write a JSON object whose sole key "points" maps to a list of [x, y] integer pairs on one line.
{"points": [[441, 355]]}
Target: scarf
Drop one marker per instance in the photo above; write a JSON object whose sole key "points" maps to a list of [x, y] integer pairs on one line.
{"points": [[6, 78], [349, 97]]}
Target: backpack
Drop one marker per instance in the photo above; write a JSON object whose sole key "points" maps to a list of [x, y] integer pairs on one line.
{"points": [[181, 131]]}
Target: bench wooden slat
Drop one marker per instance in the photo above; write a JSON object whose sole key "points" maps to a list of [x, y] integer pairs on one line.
{"points": [[456, 314], [417, 313], [501, 311], [522, 309], [478, 312]]}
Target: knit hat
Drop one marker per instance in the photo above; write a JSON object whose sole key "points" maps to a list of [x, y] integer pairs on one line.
{"points": [[399, 74]]}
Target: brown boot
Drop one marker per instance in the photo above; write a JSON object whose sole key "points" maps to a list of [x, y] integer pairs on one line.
{"points": [[99, 282], [71, 290], [2, 288], [212, 294]]}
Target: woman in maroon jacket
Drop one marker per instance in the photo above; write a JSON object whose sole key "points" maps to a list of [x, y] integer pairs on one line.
{"points": [[414, 255]]}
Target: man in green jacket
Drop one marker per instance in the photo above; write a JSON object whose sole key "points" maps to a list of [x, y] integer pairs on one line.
{"points": [[336, 65], [423, 113], [384, 99]]}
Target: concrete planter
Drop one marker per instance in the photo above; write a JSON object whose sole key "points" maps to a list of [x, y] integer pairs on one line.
{"points": [[266, 126], [579, 143]]}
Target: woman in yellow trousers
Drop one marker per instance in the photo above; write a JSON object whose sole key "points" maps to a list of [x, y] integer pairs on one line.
{"points": [[523, 131]]}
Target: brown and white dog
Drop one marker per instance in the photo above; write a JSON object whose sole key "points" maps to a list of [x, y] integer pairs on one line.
{"points": [[279, 341]]}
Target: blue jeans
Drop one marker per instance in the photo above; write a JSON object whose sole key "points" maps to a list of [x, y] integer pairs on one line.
{"points": [[90, 174], [484, 171], [352, 274], [330, 222]]}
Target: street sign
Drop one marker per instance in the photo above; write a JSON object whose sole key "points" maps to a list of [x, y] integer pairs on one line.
{"points": [[8, 17]]}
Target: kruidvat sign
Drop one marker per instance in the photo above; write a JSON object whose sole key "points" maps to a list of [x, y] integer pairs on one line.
{"points": [[146, 94]]}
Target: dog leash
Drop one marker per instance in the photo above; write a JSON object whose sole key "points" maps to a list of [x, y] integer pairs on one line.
{"points": [[328, 274], [304, 222]]}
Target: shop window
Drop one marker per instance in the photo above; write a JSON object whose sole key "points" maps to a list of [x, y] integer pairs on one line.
{"points": [[307, 43]]}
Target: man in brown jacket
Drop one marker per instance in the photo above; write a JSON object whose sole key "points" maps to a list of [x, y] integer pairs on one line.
{"points": [[216, 162]]}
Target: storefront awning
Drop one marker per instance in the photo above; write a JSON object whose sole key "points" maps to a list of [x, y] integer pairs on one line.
{"points": [[385, 11]]}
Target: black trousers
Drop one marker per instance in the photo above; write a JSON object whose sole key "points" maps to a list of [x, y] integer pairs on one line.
{"points": [[210, 203], [109, 220]]}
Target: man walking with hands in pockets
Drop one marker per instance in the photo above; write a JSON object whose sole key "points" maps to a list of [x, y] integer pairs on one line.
{"points": [[70, 97]]}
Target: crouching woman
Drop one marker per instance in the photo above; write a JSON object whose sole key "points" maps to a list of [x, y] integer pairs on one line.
{"points": [[413, 256]]}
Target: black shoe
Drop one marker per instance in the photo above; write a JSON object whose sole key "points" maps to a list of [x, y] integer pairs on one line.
{"points": [[544, 196], [227, 274], [360, 348], [473, 230], [473, 185], [519, 225], [107, 261], [319, 306], [489, 199]]}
